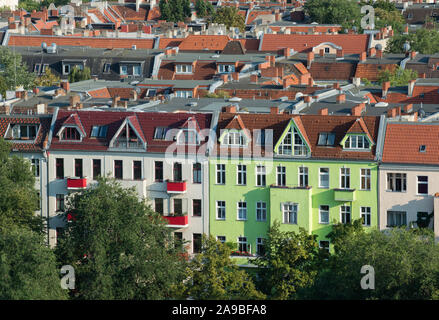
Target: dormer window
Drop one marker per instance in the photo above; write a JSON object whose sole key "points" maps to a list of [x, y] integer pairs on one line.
{"points": [[226, 68], [189, 137], [235, 138], [422, 148], [183, 68], [357, 142], [70, 133], [293, 144], [23, 132]]}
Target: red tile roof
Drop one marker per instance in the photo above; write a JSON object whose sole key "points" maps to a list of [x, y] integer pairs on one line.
{"points": [[402, 142], [129, 13], [201, 42], [371, 71], [351, 43]]}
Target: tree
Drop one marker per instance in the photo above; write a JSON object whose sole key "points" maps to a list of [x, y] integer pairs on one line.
{"points": [[398, 76], [3, 87], [28, 267], [344, 12], [47, 80], [119, 247], [203, 8], [14, 70], [340, 231], [18, 197], [79, 75], [212, 275], [289, 264], [175, 10], [405, 263], [423, 41], [29, 5], [230, 17]]}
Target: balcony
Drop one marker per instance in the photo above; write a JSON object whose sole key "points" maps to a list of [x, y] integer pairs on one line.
{"points": [[76, 183], [344, 195], [176, 186], [177, 221]]}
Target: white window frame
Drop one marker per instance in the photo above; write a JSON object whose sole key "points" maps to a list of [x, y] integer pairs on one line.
{"points": [[303, 175], [261, 176], [366, 212], [241, 207], [259, 242], [345, 176], [281, 174], [292, 209], [221, 170], [324, 211], [395, 213], [221, 240], [261, 211], [343, 210], [241, 172], [366, 176], [353, 142], [222, 207], [391, 178], [418, 183], [183, 69], [323, 175], [243, 242]]}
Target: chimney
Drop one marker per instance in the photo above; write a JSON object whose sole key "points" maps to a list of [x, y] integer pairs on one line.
{"points": [[310, 58], [340, 53], [406, 29], [411, 86], [336, 85], [116, 100], [408, 108], [274, 110], [341, 98], [385, 88], [235, 76], [74, 100], [323, 112], [310, 82], [65, 85], [412, 55], [287, 52], [379, 54], [133, 95], [358, 109], [372, 52], [307, 99], [230, 109], [225, 78], [422, 75], [137, 5], [278, 16], [254, 78], [363, 56]]}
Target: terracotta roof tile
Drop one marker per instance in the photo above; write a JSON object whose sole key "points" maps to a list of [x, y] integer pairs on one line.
{"points": [[201, 42]]}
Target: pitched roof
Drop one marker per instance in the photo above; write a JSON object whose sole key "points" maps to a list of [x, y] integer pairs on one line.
{"points": [[201, 42], [73, 119], [351, 43], [403, 140], [360, 127]]}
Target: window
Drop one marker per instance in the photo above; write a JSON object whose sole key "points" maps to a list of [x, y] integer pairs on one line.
{"points": [[178, 239], [243, 246], [118, 169], [345, 178], [59, 168], [281, 174], [326, 139], [221, 174], [324, 177], [221, 210], [37, 67], [158, 205], [365, 216], [287, 147], [189, 137], [25, 132], [242, 210], [235, 138], [356, 142], [260, 176], [35, 164], [324, 214], [299, 145], [183, 68], [262, 137], [260, 249], [196, 243], [59, 202], [70, 133], [365, 179], [396, 218], [221, 239], [99, 131], [158, 171], [226, 68], [123, 70], [183, 94], [324, 245], [289, 211], [261, 211], [241, 174], [178, 206], [78, 168], [422, 148], [326, 50], [96, 168], [160, 133], [196, 173], [303, 176], [66, 69], [45, 66], [137, 170], [196, 207], [177, 172], [422, 185], [397, 182], [136, 70], [345, 212], [107, 68]]}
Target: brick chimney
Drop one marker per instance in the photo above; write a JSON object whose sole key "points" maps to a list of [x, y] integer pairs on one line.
{"points": [[341, 98], [287, 52], [323, 112], [74, 100], [372, 52], [254, 78], [358, 109], [408, 108], [65, 85], [336, 85], [225, 78], [410, 87], [310, 58], [363, 56], [385, 88], [379, 54], [230, 109], [133, 95], [116, 100], [274, 110]]}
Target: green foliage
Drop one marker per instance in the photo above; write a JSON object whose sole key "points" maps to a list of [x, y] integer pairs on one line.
{"points": [[119, 247], [3, 87], [341, 231], [28, 267], [344, 12], [290, 263], [212, 275], [230, 17], [203, 8], [14, 71], [423, 41], [47, 80], [393, 18], [174, 10], [221, 94], [397, 77], [29, 5], [79, 75], [406, 266], [366, 82], [18, 197]]}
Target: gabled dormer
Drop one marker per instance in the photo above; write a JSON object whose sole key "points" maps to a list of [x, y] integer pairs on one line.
{"points": [[235, 134], [357, 138], [72, 129], [129, 136], [189, 133], [22, 131], [293, 141]]}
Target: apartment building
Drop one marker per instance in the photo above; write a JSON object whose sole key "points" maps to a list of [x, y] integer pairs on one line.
{"points": [[161, 155]]}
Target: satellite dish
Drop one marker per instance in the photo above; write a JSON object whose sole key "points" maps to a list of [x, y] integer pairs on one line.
{"points": [[379, 47], [299, 95]]}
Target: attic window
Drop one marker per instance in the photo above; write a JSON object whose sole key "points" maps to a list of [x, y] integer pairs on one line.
{"points": [[188, 137], [422, 148], [107, 68], [25, 132], [326, 50], [356, 142], [234, 138], [326, 139], [160, 133], [70, 133], [99, 131]]}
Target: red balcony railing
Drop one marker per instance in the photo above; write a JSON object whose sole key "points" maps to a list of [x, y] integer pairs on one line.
{"points": [[176, 186], [76, 183], [177, 221]]}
